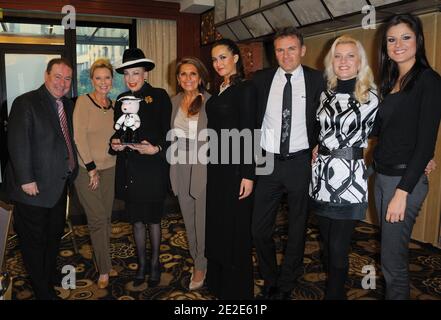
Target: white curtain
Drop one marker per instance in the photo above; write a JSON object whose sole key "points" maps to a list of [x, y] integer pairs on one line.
{"points": [[158, 39]]}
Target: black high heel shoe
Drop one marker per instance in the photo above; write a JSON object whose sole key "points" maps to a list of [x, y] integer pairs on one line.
{"points": [[138, 281], [153, 282], [155, 275], [140, 276]]}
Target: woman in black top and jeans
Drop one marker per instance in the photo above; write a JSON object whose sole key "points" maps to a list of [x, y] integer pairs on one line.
{"points": [[406, 126]]}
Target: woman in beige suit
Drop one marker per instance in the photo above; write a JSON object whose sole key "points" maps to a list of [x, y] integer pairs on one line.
{"points": [[187, 174]]}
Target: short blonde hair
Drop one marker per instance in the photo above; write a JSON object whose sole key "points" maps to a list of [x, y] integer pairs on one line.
{"points": [[101, 63], [365, 78]]}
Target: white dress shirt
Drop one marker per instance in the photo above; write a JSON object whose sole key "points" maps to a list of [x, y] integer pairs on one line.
{"points": [[272, 121]]}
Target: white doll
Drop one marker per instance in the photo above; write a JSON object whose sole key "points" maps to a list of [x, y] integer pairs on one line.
{"points": [[129, 118]]}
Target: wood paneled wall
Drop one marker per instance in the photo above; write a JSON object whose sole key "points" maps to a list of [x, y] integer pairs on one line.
{"points": [[132, 8], [188, 25], [427, 228]]}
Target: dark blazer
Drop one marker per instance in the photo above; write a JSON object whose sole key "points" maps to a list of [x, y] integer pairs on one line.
{"points": [[314, 85], [37, 149]]}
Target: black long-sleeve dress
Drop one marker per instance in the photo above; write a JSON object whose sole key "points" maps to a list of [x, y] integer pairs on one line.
{"points": [[142, 180], [228, 219]]}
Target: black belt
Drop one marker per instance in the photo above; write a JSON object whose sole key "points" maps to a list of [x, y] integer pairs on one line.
{"points": [[382, 167], [353, 153], [291, 155]]}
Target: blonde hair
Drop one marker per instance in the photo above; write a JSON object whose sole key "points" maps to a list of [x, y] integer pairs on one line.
{"points": [[101, 63], [365, 78]]}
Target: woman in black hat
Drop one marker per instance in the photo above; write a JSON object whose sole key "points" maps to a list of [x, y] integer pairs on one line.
{"points": [[141, 166]]}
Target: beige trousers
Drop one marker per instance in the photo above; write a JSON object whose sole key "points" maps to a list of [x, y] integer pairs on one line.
{"points": [[193, 212], [98, 207]]}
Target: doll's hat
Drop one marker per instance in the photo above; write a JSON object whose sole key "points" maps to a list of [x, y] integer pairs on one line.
{"points": [[129, 98], [133, 58]]}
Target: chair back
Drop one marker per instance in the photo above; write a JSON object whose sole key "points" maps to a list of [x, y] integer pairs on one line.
{"points": [[5, 222]]}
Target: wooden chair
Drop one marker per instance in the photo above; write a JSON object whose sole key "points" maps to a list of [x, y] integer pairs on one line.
{"points": [[5, 223], [70, 230]]}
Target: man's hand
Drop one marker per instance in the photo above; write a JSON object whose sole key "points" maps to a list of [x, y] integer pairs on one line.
{"points": [[246, 187], [314, 154], [431, 166], [31, 189]]}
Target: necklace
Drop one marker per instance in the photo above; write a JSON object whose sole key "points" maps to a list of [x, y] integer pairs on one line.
{"points": [[223, 87], [100, 104]]}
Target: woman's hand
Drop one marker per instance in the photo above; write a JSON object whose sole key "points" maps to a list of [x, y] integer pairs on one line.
{"points": [[246, 187], [145, 148], [314, 154], [116, 145], [431, 166], [94, 179], [397, 207]]}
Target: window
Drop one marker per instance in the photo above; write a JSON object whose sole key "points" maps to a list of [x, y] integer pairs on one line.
{"points": [[27, 33], [97, 42]]}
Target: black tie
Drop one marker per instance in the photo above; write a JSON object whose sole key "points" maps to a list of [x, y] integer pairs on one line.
{"points": [[286, 116]]}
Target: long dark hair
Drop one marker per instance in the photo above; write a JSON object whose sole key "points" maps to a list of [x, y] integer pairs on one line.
{"points": [[389, 68], [234, 49], [196, 104]]}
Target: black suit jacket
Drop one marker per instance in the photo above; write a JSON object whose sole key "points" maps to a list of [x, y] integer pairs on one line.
{"points": [[314, 85], [37, 149]]}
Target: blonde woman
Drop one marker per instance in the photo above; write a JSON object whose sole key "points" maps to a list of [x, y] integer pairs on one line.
{"points": [[339, 183], [93, 127]]}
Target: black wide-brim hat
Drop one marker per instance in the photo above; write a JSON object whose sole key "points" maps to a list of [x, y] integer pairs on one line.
{"points": [[133, 58]]}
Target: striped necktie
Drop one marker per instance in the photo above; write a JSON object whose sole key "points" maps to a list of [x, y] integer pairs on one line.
{"points": [[65, 130]]}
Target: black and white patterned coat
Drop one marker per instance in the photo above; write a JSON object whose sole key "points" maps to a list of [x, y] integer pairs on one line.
{"points": [[344, 123]]}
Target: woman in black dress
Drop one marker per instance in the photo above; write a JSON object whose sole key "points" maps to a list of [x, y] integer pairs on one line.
{"points": [[142, 169], [230, 183]]}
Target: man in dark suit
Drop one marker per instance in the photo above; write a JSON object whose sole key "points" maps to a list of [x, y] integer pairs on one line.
{"points": [[288, 97], [42, 162]]}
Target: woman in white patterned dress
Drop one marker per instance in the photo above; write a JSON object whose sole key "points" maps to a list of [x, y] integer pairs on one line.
{"points": [[339, 181]]}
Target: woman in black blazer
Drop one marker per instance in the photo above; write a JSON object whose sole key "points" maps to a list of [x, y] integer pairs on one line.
{"points": [[142, 169]]}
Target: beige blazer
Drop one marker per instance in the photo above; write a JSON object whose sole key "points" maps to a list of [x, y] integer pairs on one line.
{"points": [[198, 179]]}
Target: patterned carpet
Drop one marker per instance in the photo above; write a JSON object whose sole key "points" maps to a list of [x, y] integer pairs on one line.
{"points": [[425, 266]]}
